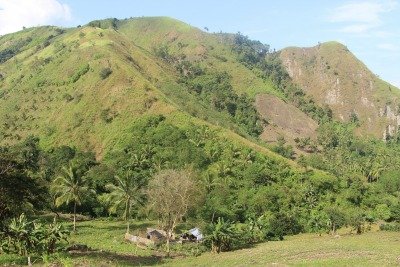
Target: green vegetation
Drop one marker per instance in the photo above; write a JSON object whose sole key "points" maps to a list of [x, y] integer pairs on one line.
{"points": [[70, 187], [81, 71], [125, 194], [107, 248], [257, 56], [27, 238], [217, 90], [164, 128]]}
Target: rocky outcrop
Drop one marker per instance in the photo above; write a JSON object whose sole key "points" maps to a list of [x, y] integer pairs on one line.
{"points": [[333, 76]]}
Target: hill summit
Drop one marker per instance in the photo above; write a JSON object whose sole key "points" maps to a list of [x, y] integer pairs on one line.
{"points": [[332, 75]]}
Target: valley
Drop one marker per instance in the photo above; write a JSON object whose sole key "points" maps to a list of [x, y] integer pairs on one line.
{"points": [[285, 157]]}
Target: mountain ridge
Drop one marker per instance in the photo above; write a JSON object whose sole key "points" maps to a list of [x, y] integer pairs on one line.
{"points": [[334, 76], [147, 58]]}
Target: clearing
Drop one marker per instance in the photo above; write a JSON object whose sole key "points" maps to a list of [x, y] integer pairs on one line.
{"points": [[375, 248]]}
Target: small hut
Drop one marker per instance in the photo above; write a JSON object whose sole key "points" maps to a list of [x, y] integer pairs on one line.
{"points": [[156, 235], [193, 235]]}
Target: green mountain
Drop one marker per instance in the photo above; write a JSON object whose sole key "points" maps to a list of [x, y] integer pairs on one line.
{"points": [[86, 86], [279, 143]]}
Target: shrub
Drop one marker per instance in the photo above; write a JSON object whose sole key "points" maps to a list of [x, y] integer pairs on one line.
{"points": [[106, 115], [282, 224], [67, 97], [282, 149], [105, 72], [221, 235], [82, 71], [163, 53], [392, 227]]}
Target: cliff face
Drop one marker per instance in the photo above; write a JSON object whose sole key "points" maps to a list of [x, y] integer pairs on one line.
{"points": [[332, 75]]}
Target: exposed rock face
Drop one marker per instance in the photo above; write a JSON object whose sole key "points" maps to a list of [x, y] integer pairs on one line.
{"points": [[332, 75], [283, 119]]}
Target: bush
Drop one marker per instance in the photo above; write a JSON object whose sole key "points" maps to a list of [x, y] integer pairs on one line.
{"points": [[282, 149], [28, 238], [282, 224], [392, 227], [221, 235], [82, 71], [105, 72], [106, 115], [67, 97], [163, 53]]}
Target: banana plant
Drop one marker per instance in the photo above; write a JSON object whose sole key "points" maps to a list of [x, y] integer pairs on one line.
{"points": [[222, 235], [27, 238]]}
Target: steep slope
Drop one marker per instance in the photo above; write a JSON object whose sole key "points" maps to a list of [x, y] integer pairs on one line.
{"points": [[332, 75], [214, 51], [285, 120], [183, 40], [86, 86], [56, 92]]}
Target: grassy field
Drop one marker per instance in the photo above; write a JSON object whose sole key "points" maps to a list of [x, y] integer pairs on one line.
{"points": [[369, 249], [105, 238]]}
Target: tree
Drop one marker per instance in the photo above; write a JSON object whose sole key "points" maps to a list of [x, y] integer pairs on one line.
{"points": [[171, 194], [126, 193], [336, 218], [319, 221], [21, 189], [69, 187], [356, 219]]}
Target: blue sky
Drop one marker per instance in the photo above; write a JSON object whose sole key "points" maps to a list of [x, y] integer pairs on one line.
{"points": [[370, 28]]}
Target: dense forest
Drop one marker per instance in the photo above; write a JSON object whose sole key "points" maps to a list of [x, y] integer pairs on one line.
{"points": [[234, 186]]}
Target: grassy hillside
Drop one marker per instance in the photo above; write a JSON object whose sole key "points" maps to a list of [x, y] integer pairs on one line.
{"points": [[120, 104], [334, 76], [105, 238], [51, 84], [370, 249]]}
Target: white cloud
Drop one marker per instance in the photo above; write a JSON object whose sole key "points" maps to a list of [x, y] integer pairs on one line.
{"points": [[14, 14], [361, 17], [356, 28], [389, 47]]}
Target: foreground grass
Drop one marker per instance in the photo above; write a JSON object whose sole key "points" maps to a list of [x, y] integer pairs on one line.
{"points": [[105, 238], [369, 249]]}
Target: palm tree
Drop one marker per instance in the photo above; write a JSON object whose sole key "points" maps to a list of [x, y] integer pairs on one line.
{"points": [[70, 187], [126, 193]]}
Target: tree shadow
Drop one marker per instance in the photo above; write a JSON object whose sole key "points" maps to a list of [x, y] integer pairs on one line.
{"points": [[121, 227], [120, 259]]}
